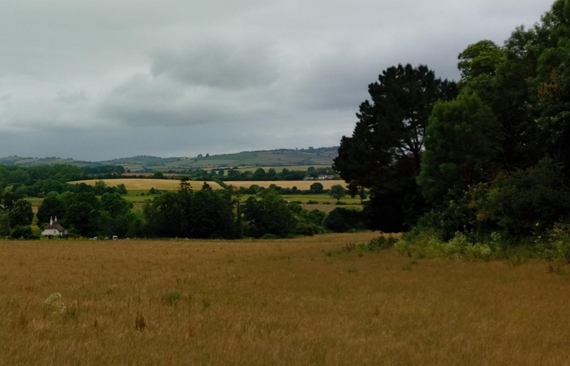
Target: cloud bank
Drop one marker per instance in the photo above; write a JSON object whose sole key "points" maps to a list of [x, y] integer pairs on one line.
{"points": [[100, 80]]}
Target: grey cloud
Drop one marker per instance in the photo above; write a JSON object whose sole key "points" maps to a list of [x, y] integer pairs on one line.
{"points": [[179, 78], [71, 97], [217, 63]]}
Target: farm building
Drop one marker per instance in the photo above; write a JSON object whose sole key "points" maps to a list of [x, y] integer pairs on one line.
{"points": [[54, 228]]}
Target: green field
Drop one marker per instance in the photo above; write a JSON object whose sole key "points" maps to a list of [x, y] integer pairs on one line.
{"points": [[322, 202]]}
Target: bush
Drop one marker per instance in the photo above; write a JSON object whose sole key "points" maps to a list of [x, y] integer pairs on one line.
{"points": [[270, 237], [309, 229], [22, 232], [527, 203], [341, 220], [428, 244]]}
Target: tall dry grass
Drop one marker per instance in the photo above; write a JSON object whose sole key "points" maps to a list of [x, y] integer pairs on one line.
{"points": [[281, 302]]}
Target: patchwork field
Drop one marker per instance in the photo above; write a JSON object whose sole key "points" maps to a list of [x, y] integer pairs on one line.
{"points": [[281, 302], [170, 184], [141, 184]]}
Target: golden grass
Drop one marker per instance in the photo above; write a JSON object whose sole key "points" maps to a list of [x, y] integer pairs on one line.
{"points": [[300, 184], [280, 302], [171, 184], [146, 184]]}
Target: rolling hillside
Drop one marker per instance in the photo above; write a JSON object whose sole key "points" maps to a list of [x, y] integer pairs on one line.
{"points": [[265, 158]]}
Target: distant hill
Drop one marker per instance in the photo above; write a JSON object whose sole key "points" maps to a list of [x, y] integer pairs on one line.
{"points": [[289, 158], [29, 162]]}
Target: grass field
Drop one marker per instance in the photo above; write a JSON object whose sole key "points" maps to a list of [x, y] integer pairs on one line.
{"points": [[141, 184], [279, 168], [300, 184], [281, 302], [170, 184]]}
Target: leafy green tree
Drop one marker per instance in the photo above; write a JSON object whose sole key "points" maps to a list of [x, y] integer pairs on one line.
{"points": [[211, 215], [317, 188], [528, 202], [4, 223], [269, 215], [337, 192], [100, 187], [514, 101], [481, 58], [83, 219], [341, 220], [122, 189], [271, 174], [10, 197], [383, 153], [23, 231], [115, 205], [52, 206], [188, 214], [21, 214], [164, 216], [462, 147], [259, 174]]}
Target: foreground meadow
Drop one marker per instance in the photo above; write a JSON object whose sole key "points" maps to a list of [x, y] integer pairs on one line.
{"points": [[279, 302]]}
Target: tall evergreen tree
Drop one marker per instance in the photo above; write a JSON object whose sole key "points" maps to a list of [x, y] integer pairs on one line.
{"points": [[383, 153]]}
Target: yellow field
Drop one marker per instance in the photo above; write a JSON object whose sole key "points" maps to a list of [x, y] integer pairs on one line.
{"points": [[170, 184], [280, 302], [146, 184], [300, 184]]}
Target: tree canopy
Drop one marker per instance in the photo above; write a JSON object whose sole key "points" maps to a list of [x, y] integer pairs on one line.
{"points": [[492, 158], [384, 151]]}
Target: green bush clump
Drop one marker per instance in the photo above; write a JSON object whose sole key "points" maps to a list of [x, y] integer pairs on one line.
{"points": [[341, 220], [173, 297], [428, 244], [309, 229]]}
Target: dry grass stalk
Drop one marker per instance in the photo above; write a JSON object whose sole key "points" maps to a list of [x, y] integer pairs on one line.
{"points": [[275, 302]]}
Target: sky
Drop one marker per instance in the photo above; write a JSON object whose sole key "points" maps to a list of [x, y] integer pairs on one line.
{"points": [[97, 80]]}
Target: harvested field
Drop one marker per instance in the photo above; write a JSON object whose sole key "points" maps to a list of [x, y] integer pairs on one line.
{"points": [[172, 184], [272, 302], [141, 184], [300, 184]]}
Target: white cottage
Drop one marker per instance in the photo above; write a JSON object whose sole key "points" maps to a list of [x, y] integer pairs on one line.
{"points": [[54, 228]]}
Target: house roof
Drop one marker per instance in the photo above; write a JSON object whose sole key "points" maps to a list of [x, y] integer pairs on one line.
{"points": [[55, 225]]}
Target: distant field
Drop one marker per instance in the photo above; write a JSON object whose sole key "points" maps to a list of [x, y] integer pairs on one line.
{"points": [[300, 184], [170, 184], [280, 168], [146, 184], [273, 302]]}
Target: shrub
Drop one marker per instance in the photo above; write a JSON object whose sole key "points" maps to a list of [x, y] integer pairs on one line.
{"points": [[22, 232], [341, 220], [174, 296], [428, 244], [309, 229]]}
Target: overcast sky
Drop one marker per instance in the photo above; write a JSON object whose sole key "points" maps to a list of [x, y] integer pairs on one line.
{"points": [[104, 79]]}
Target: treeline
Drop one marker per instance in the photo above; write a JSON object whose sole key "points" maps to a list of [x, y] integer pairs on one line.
{"points": [[208, 213], [40, 180], [488, 158], [260, 174], [204, 213]]}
